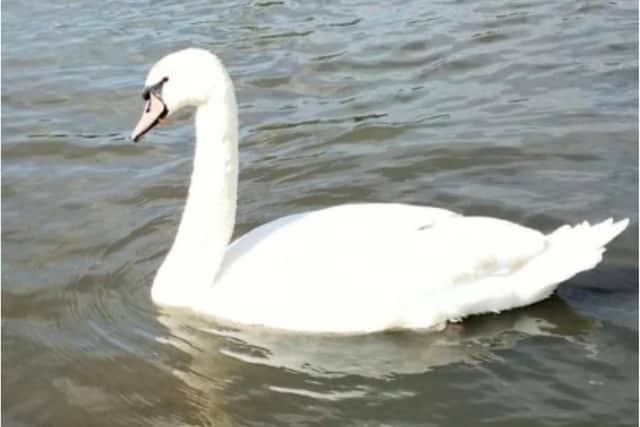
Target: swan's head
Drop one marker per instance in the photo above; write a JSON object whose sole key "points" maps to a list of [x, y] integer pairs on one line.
{"points": [[186, 78]]}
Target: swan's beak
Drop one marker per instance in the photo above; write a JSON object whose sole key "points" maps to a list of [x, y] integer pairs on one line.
{"points": [[154, 112]]}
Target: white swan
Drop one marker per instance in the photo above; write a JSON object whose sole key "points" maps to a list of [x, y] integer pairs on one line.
{"points": [[347, 269]]}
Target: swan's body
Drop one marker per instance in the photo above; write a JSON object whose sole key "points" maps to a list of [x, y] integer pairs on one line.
{"points": [[348, 269]]}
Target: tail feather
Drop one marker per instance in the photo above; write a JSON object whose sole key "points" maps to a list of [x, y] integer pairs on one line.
{"points": [[570, 250], [593, 236]]}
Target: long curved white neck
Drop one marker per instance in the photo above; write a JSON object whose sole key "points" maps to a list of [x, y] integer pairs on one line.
{"points": [[209, 214]]}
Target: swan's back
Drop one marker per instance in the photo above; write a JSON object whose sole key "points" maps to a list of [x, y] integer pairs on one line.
{"points": [[342, 243]]}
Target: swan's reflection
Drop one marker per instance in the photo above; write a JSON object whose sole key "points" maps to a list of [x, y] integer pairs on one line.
{"points": [[376, 356]]}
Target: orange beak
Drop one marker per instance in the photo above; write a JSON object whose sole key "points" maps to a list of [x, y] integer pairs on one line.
{"points": [[154, 112]]}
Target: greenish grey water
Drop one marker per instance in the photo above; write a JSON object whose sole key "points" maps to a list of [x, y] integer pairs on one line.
{"points": [[522, 110]]}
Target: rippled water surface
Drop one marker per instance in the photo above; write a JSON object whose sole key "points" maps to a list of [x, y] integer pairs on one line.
{"points": [[517, 109]]}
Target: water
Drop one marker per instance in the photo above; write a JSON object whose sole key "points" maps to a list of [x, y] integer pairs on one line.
{"points": [[522, 110]]}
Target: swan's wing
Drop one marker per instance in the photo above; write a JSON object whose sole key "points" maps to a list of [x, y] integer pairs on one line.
{"points": [[369, 245], [324, 233], [362, 268]]}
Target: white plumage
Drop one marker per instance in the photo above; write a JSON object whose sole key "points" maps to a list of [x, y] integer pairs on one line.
{"points": [[347, 269]]}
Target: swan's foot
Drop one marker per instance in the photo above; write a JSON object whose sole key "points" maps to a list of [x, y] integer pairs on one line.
{"points": [[453, 326], [438, 327]]}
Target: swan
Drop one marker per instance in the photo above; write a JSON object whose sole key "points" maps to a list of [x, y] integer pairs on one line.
{"points": [[353, 268]]}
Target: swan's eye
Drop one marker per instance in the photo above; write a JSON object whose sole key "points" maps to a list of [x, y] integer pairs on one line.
{"points": [[156, 89]]}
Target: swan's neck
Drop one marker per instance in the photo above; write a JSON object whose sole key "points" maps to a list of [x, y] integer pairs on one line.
{"points": [[207, 223]]}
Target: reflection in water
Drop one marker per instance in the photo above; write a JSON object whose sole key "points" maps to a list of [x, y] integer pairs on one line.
{"points": [[258, 375], [376, 356]]}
